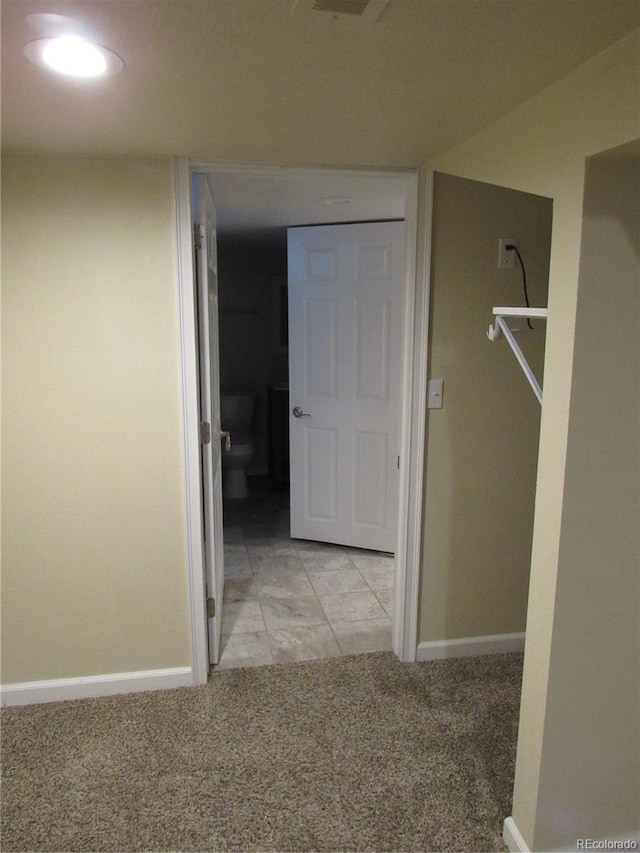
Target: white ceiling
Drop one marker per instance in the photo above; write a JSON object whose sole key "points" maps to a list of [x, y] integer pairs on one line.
{"points": [[247, 80], [262, 200]]}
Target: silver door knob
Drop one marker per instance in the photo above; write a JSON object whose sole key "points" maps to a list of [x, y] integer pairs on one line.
{"points": [[227, 439], [298, 413]]}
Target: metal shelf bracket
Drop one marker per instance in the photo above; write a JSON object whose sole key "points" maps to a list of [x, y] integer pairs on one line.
{"points": [[500, 326]]}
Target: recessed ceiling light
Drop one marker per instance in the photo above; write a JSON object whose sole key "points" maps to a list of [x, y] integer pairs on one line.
{"points": [[74, 57], [336, 199]]}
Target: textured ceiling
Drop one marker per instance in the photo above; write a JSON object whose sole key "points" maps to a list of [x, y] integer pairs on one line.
{"points": [[247, 80]]}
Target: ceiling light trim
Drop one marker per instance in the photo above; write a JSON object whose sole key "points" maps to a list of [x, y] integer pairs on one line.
{"points": [[36, 51]]}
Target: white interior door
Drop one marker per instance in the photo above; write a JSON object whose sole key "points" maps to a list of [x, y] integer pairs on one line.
{"points": [[209, 371], [346, 298]]}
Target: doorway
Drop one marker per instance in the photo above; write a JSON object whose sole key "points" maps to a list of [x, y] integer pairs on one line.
{"points": [[286, 598], [408, 548]]}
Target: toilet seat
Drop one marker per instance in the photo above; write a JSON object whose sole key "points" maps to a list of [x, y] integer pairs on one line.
{"points": [[236, 418]]}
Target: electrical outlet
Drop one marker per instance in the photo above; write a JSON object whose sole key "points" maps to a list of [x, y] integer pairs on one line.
{"points": [[506, 257]]}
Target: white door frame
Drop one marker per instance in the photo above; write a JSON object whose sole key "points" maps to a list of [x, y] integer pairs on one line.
{"points": [[413, 421]]}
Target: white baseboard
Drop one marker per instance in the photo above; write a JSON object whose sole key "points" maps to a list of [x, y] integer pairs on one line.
{"points": [[512, 837], [34, 692], [464, 647]]}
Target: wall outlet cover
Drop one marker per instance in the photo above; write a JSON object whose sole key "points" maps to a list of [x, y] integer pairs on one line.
{"points": [[506, 257]]}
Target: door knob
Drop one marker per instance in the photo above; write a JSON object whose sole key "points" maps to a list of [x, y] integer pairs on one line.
{"points": [[227, 440], [298, 413]]}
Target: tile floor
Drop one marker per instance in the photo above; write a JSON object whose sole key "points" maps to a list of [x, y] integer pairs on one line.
{"points": [[287, 599]]}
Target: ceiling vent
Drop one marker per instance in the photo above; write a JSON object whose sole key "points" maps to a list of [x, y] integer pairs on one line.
{"points": [[355, 11]]}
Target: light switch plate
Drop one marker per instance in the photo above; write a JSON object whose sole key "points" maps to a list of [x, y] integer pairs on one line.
{"points": [[435, 390]]}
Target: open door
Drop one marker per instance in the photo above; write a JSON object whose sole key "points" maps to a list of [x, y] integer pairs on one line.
{"points": [[206, 268], [346, 304]]}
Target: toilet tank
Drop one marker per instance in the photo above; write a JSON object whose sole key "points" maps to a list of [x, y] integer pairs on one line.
{"points": [[236, 410]]}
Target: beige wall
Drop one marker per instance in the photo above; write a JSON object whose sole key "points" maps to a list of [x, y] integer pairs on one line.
{"points": [[541, 147], [483, 444], [93, 560], [591, 749]]}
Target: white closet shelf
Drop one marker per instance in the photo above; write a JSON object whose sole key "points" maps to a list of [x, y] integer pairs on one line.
{"points": [[502, 327], [533, 313]]}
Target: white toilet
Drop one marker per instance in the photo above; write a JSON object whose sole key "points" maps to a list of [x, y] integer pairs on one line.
{"points": [[236, 416]]}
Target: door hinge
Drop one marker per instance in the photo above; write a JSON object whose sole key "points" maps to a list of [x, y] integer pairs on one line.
{"points": [[205, 432], [199, 235], [211, 608]]}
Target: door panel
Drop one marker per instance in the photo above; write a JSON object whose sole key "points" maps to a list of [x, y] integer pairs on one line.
{"points": [[321, 264], [208, 350], [372, 349], [320, 468], [346, 302], [370, 478], [320, 352], [373, 262]]}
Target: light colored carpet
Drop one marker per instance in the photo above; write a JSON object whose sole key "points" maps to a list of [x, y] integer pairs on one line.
{"points": [[352, 754]]}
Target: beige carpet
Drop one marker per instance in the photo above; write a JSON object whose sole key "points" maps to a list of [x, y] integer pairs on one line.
{"points": [[357, 753]]}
